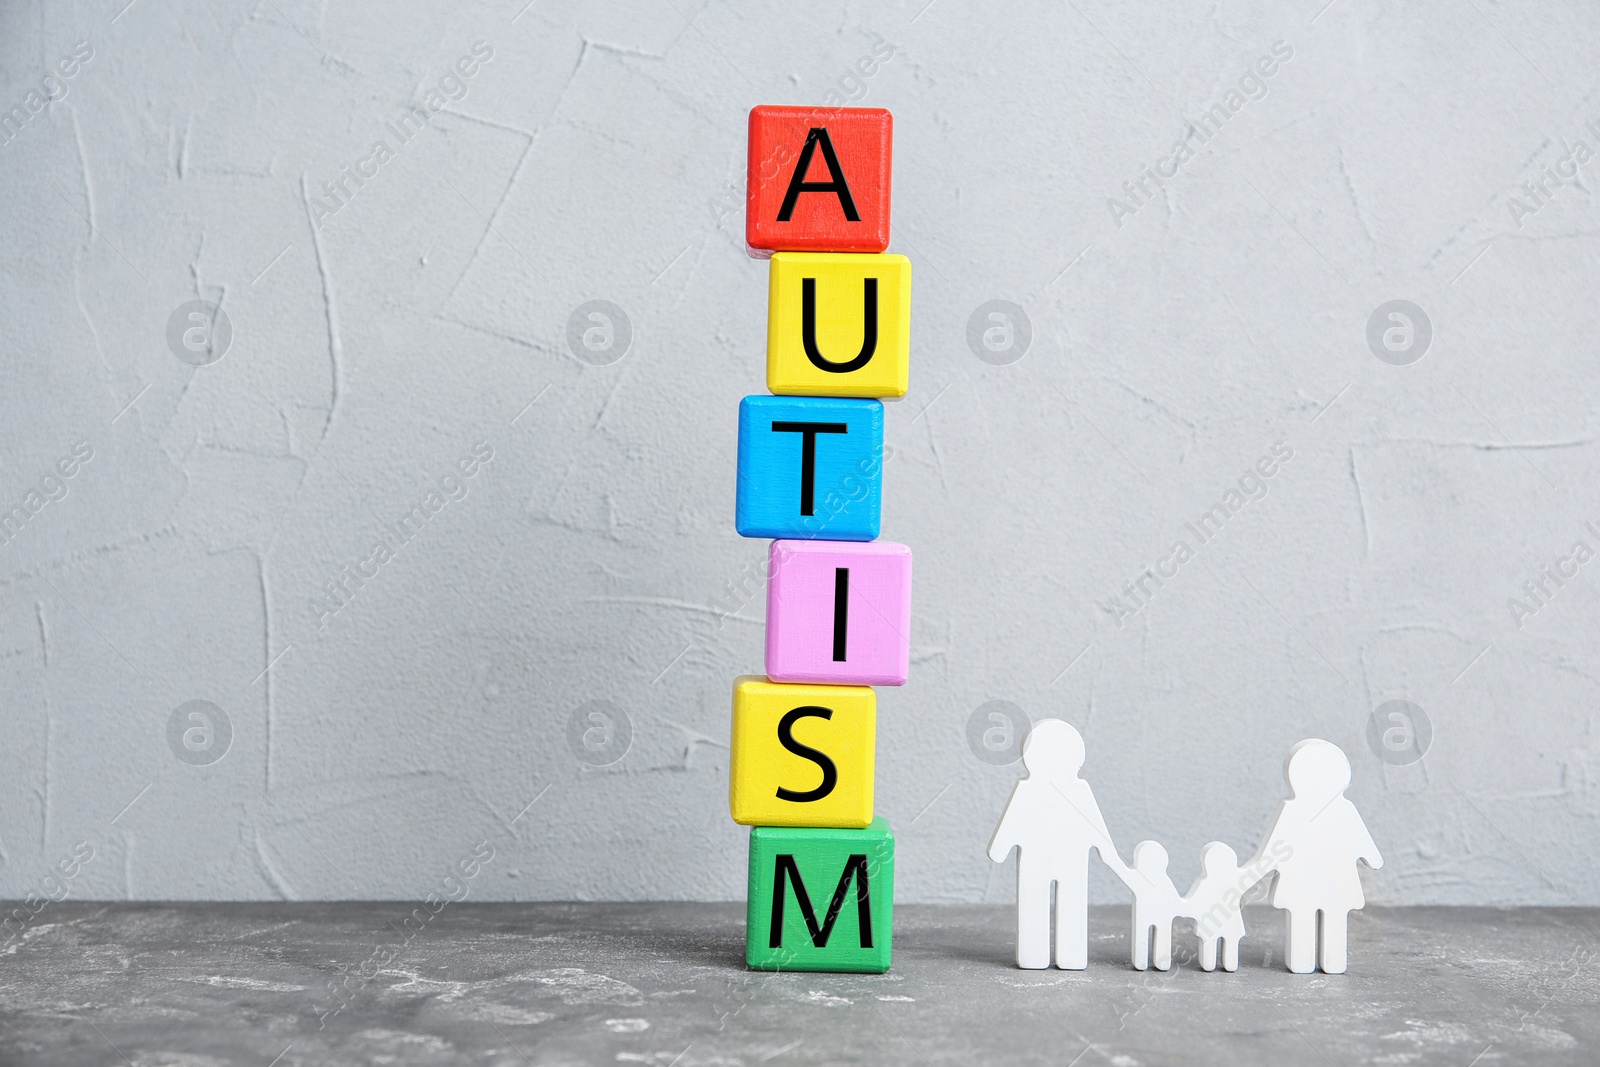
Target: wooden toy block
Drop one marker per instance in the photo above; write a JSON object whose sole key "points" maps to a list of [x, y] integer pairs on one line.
{"points": [[839, 612], [820, 899], [809, 467], [818, 179], [802, 755], [838, 325]]}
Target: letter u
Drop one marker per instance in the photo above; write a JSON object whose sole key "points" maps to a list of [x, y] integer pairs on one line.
{"points": [[869, 326]]}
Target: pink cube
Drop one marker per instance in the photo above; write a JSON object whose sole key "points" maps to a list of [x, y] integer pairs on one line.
{"points": [[839, 612]]}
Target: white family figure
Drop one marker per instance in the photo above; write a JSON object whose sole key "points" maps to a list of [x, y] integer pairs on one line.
{"points": [[1214, 901], [1320, 837], [1312, 849], [1155, 905], [1053, 821]]}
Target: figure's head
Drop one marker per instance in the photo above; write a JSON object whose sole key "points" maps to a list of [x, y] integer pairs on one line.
{"points": [[1217, 858], [1317, 770], [1150, 858], [1054, 749]]}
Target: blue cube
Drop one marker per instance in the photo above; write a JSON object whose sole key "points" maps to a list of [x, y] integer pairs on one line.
{"points": [[809, 467]]}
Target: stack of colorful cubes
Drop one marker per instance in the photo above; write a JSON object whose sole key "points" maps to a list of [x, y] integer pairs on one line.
{"points": [[821, 893]]}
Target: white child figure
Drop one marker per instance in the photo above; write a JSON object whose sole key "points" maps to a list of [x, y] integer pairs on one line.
{"points": [[1054, 822], [1314, 844], [1155, 905], [1214, 904]]}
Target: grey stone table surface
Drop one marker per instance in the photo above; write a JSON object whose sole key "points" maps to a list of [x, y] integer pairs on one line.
{"points": [[664, 984]]}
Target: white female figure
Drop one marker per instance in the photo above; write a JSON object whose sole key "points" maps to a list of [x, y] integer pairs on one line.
{"points": [[1315, 841]]}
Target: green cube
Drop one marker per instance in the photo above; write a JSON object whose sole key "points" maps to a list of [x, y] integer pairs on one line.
{"points": [[820, 899]]}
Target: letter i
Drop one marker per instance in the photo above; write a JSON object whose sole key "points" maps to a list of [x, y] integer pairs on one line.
{"points": [[841, 612]]}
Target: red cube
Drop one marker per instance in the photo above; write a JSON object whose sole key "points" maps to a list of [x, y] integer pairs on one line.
{"points": [[818, 179]]}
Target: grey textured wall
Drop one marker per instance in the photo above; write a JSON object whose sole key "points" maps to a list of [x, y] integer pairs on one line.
{"points": [[1179, 331]]}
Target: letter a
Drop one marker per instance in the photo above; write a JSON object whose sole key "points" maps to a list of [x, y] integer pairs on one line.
{"points": [[798, 183]]}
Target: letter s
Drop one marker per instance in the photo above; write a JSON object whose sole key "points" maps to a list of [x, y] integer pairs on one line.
{"points": [[1283, 50], [830, 773], [483, 50]]}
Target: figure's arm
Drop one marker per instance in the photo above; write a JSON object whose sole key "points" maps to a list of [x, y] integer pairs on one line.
{"points": [[1104, 846], [1369, 848], [1126, 874], [1256, 868], [1096, 821], [1274, 850], [1109, 854], [1005, 835]]}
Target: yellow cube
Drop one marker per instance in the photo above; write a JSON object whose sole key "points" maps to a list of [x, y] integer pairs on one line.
{"points": [[838, 324], [802, 755]]}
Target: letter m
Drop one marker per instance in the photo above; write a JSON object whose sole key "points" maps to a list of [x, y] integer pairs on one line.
{"points": [[854, 867]]}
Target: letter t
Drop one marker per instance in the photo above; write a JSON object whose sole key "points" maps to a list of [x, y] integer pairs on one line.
{"points": [[808, 454]]}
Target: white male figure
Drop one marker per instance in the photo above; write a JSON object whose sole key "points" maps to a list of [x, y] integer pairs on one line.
{"points": [[1315, 843], [1053, 821]]}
